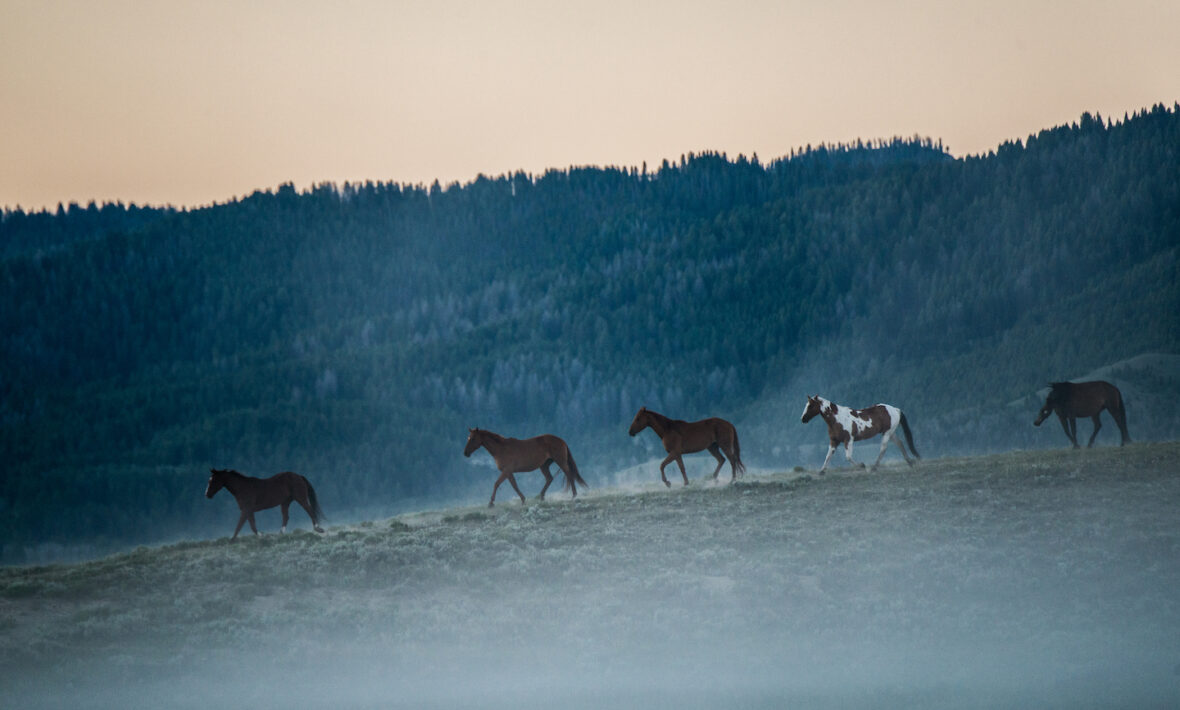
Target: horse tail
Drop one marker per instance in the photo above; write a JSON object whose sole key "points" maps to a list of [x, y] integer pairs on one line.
{"points": [[909, 438], [737, 454], [316, 511], [572, 476], [1119, 411]]}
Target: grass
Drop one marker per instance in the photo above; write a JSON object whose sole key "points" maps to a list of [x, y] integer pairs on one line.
{"points": [[1080, 546]]}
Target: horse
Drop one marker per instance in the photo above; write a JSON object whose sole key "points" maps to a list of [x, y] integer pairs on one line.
{"points": [[514, 456], [1084, 399], [254, 494], [846, 425], [680, 437]]}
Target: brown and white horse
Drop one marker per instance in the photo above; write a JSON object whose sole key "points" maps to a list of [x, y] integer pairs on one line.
{"points": [[514, 456], [1084, 399], [846, 425]]}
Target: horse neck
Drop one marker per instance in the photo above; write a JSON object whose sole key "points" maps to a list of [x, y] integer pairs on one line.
{"points": [[658, 423], [235, 482], [829, 414], [494, 443]]}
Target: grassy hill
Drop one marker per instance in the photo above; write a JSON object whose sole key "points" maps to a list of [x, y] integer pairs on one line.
{"points": [[352, 333], [1027, 579]]}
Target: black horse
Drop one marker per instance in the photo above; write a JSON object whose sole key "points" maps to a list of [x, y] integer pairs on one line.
{"points": [[1084, 399], [253, 494]]}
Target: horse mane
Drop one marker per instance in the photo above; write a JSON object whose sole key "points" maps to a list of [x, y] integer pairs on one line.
{"points": [[1060, 386], [663, 420], [231, 472], [492, 435], [666, 423]]}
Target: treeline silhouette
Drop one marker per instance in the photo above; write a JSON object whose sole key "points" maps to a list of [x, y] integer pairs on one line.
{"points": [[353, 332]]}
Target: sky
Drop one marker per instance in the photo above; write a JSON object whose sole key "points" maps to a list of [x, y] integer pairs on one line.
{"points": [[191, 103]]}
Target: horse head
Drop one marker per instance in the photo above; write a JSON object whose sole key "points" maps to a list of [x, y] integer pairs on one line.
{"points": [[1057, 392], [640, 422], [814, 405], [216, 481], [474, 441]]}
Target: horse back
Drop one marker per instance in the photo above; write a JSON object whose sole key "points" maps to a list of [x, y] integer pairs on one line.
{"points": [[284, 486], [530, 454], [871, 421], [723, 429], [1087, 399], [700, 435], [557, 448]]}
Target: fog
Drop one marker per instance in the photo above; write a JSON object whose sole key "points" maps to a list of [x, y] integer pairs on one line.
{"points": [[1034, 580]]}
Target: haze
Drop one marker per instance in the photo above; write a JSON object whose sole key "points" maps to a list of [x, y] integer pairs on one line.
{"points": [[188, 103]]}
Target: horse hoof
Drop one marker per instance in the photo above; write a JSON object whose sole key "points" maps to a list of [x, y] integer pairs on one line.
{"points": [[667, 484], [319, 529]]}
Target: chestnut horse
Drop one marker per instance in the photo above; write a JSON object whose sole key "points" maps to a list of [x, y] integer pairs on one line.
{"points": [[1084, 399], [680, 437], [846, 425], [514, 456], [254, 494]]}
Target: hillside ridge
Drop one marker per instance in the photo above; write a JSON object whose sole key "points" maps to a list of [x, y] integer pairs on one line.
{"points": [[354, 333]]}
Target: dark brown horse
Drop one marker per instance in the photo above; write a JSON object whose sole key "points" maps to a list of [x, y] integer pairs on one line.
{"points": [[680, 437], [254, 494], [1084, 399], [514, 456], [846, 425]]}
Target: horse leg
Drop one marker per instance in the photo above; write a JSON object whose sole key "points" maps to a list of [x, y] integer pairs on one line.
{"points": [[252, 525], [884, 443], [729, 452], [285, 506], [683, 473], [1097, 426], [667, 460], [496, 487], [512, 480], [831, 450], [565, 469], [1073, 431], [716, 451], [848, 454], [241, 522], [548, 478], [904, 453], [1065, 425], [307, 507]]}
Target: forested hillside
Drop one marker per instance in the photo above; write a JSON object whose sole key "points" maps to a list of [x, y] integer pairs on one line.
{"points": [[353, 332]]}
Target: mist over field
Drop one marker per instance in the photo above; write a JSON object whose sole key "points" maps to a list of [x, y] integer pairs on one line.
{"points": [[1038, 579], [354, 333]]}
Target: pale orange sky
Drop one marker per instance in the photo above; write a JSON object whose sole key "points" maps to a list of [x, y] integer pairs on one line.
{"points": [[187, 103]]}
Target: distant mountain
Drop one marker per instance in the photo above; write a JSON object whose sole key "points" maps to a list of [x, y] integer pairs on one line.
{"points": [[352, 333]]}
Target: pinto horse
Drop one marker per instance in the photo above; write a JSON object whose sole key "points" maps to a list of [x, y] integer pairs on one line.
{"points": [[846, 425], [1084, 399], [514, 456], [254, 494], [680, 437]]}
